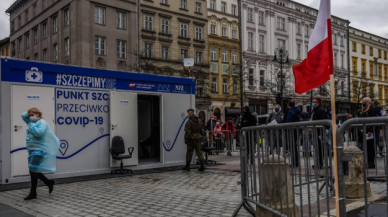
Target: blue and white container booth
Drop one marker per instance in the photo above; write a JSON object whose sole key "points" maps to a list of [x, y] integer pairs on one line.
{"points": [[85, 108]]}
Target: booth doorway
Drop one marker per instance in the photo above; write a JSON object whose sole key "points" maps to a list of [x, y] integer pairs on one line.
{"points": [[148, 128]]}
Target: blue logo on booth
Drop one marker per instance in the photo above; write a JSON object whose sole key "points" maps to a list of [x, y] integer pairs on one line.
{"points": [[64, 145], [163, 87]]}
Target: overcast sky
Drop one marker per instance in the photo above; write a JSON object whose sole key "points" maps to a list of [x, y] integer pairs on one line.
{"points": [[367, 15]]}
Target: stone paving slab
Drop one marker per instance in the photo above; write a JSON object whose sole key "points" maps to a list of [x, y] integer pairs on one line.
{"points": [[177, 193]]}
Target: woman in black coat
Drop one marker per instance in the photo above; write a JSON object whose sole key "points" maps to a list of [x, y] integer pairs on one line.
{"points": [[368, 111]]}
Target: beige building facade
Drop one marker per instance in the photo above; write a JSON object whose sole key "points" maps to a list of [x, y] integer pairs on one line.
{"points": [[5, 47], [224, 58], [172, 30], [369, 66], [97, 34]]}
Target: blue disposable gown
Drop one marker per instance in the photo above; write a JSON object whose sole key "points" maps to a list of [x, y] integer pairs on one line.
{"points": [[42, 146]]}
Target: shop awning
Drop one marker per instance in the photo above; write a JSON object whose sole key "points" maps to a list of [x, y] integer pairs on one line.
{"points": [[233, 111]]}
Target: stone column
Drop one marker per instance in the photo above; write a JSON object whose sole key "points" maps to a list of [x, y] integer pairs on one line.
{"points": [[276, 187], [354, 182]]}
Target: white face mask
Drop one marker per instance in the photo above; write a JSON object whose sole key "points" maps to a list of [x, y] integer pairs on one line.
{"points": [[34, 119]]}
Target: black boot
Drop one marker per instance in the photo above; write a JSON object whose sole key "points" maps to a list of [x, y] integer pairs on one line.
{"points": [[46, 181], [34, 183], [187, 167], [50, 185], [202, 167]]}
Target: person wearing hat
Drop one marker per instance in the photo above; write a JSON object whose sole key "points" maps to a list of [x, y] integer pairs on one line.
{"points": [[193, 135]]}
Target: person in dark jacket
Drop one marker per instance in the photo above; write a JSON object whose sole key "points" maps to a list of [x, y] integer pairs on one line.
{"points": [[379, 112], [319, 113], [368, 111], [248, 120], [293, 115]]}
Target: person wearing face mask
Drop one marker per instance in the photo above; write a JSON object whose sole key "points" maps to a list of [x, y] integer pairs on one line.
{"points": [[248, 120], [368, 110], [278, 116], [319, 113], [379, 112], [42, 146]]}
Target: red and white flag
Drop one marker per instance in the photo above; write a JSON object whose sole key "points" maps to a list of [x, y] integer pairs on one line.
{"points": [[315, 70]]}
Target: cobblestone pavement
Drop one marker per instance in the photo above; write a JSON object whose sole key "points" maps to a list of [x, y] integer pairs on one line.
{"points": [[177, 193]]}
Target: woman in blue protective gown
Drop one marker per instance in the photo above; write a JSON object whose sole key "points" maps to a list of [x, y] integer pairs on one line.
{"points": [[42, 147]]}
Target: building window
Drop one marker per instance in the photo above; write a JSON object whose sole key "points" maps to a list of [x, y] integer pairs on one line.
{"points": [[55, 52], [212, 4], [224, 85], [184, 54], [281, 24], [198, 7], [250, 14], [214, 85], [200, 85], [45, 55], [342, 41], [281, 43], [335, 39], [363, 49], [198, 33], [224, 31], [234, 34], [198, 57], [99, 15], [20, 43], [121, 18], [235, 87], [250, 41], [20, 21], [27, 17], [121, 49], [184, 4], [148, 23], [261, 43], [67, 47], [354, 47], [234, 10], [148, 50], [298, 51], [36, 56], [224, 55], [164, 2], [234, 57], [379, 53], [261, 17], [12, 27], [342, 60], [298, 29], [164, 52], [335, 60], [262, 78], [13, 52], [27, 40], [223, 7], [34, 11], [371, 51], [306, 31], [306, 50], [183, 30], [385, 55], [250, 77], [100, 43], [214, 53], [44, 30], [67, 17], [213, 29], [55, 24], [165, 26], [44, 4], [35, 35]]}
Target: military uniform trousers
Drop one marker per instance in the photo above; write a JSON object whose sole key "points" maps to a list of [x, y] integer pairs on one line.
{"points": [[191, 145]]}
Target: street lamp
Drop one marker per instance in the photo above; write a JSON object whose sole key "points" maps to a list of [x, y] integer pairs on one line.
{"points": [[281, 57]]}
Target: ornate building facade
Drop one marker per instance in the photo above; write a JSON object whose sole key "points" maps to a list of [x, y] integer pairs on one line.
{"points": [[224, 58]]}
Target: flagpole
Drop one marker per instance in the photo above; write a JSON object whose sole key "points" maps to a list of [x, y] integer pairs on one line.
{"points": [[333, 117]]}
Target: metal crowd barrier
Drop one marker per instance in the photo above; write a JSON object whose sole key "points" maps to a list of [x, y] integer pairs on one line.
{"points": [[284, 178], [222, 140], [370, 135]]}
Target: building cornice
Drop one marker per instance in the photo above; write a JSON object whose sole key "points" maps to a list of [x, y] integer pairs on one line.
{"points": [[366, 41], [176, 13]]}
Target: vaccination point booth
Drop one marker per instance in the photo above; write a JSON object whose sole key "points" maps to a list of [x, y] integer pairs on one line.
{"points": [[86, 108]]}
